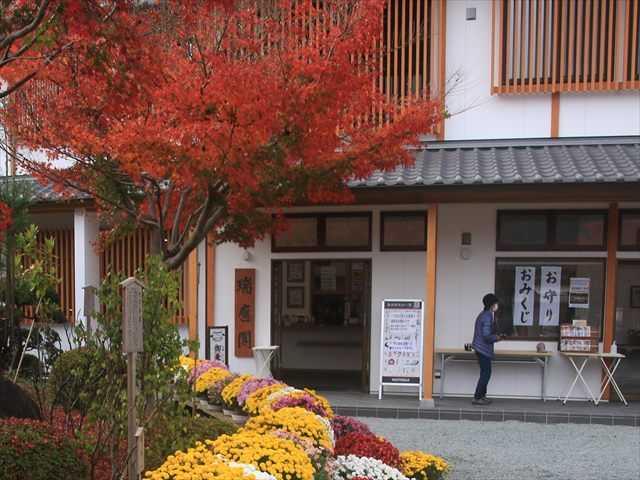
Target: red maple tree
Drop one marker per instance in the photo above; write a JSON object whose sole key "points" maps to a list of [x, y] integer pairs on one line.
{"points": [[34, 33], [215, 115]]}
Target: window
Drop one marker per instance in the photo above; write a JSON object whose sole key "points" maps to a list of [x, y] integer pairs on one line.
{"points": [[403, 231], [538, 295], [629, 230], [522, 231], [534, 230], [560, 45], [301, 232], [325, 232]]}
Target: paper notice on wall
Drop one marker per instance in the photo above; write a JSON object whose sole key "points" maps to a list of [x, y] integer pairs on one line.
{"points": [[550, 288], [328, 278], [525, 282], [579, 291]]}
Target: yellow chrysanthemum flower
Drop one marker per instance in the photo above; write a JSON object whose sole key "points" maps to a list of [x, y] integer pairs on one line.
{"points": [[258, 402], [209, 378], [276, 456], [297, 421], [422, 466], [198, 463]]}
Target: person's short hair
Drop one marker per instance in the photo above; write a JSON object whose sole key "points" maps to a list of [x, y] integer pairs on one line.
{"points": [[489, 300]]}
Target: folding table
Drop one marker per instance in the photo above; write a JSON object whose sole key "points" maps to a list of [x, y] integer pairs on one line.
{"points": [[582, 358], [531, 357]]}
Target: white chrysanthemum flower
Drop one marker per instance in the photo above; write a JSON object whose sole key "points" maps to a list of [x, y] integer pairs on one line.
{"points": [[350, 466], [250, 469]]}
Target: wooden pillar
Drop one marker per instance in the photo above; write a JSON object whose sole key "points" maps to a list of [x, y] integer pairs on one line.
{"points": [[555, 115], [613, 221], [191, 294], [430, 308], [442, 64], [211, 279]]}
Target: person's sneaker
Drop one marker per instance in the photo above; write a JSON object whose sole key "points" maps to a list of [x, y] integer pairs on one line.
{"points": [[488, 401], [479, 401]]}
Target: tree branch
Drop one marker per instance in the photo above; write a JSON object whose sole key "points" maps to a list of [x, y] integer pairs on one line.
{"points": [[37, 19]]}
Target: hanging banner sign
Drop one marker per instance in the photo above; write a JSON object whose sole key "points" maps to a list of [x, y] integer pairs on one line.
{"points": [[525, 282], [245, 312], [401, 343], [550, 288], [579, 289]]}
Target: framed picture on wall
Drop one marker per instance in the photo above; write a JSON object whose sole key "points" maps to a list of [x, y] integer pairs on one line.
{"points": [[217, 346], [635, 296], [295, 297], [295, 271]]}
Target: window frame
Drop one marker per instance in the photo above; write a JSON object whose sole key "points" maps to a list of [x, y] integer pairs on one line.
{"points": [[623, 212], [602, 261], [321, 233], [403, 248], [552, 223]]}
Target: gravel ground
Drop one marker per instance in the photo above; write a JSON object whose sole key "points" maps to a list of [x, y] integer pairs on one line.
{"points": [[520, 451]]}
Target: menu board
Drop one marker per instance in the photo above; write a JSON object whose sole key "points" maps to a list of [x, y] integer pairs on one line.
{"points": [[401, 343]]}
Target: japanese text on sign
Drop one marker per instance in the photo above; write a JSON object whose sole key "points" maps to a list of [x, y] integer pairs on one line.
{"points": [[401, 356], [245, 282], [550, 289], [579, 289], [523, 301]]}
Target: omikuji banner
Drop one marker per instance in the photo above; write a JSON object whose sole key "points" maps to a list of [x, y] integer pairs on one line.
{"points": [[550, 288], [401, 356], [525, 282]]}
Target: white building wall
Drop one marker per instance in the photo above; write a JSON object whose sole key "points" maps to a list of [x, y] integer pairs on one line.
{"points": [[479, 115], [461, 284]]}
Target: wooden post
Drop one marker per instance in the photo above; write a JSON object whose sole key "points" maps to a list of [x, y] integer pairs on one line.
{"points": [[132, 343], [555, 115], [430, 308], [132, 393], [191, 294], [613, 221]]}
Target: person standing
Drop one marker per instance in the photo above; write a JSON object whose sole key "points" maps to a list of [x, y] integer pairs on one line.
{"points": [[484, 337]]}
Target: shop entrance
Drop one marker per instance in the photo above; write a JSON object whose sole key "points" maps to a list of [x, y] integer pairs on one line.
{"points": [[627, 331], [320, 318]]}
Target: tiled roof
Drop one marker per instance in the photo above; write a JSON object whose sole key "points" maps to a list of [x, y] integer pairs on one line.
{"points": [[488, 162], [494, 162], [47, 193]]}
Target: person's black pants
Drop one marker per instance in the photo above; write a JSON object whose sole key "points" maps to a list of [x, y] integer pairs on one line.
{"points": [[485, 375]]}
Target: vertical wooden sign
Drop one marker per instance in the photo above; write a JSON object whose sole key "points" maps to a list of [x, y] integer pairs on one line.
{"points": [[245, 313]]}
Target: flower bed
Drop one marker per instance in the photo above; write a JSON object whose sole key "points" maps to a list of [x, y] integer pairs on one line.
{"points": [[292, 434]]}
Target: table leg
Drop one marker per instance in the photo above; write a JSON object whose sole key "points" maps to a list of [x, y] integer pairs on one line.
{"points": [[543, 387], [575, 380], [443, 361], [609, 379]]}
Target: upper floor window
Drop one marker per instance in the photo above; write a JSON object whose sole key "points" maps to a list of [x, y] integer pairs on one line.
{"points": [[534, 230], [629, 230], [403, 231], [559, 45], [325, 232]]}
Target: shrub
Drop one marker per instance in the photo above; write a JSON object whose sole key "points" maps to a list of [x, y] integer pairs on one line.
{"points": [[70, 382], [35, 450], [370, 446], [181, 433]]}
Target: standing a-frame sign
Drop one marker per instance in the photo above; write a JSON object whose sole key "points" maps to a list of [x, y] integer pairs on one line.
{"points": [[401, 342]]}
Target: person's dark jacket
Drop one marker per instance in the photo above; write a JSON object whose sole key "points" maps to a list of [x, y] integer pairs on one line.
{"points": [[484, 334]]}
